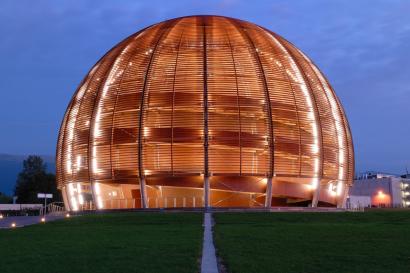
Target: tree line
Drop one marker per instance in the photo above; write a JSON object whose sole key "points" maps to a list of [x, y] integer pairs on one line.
{"points": [[33, 178]]}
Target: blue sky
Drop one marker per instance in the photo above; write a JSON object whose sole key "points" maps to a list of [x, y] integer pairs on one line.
{"points": [[362, 46]]}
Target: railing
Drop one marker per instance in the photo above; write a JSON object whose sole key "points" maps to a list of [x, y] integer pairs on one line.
{"points": [[88, 205], [357, 208], [55, 207], [175, 202], [164, 202], [155, 202]]}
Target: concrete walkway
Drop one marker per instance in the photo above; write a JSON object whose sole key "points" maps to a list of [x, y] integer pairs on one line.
{"points": [[22, 221], [208, 264]]}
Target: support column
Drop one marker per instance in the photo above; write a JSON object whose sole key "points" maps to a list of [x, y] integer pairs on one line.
{"points": [[271, 172], [166, 28], [316, 194], [143, 194], [341, 201], [268, 198], [205, 103], [206, 193], [66, 199]]}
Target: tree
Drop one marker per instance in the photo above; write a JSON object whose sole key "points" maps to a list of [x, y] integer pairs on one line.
{"points": [[34, 179], [5, 199]]}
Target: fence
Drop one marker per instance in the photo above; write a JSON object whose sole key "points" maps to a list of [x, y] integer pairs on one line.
{"points": [[16, 207], [55, 207], [157, 202]]}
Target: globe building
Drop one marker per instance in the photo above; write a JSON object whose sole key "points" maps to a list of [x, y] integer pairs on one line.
{"points": [[204, 111]]}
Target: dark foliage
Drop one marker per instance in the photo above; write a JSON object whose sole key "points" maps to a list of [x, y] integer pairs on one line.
{"points": [[5, 199], [34, 179]]}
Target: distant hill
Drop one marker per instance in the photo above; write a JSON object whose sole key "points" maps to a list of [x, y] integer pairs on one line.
{"points": [[11, 165]]}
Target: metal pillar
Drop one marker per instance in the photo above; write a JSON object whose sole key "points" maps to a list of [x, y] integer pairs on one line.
{"points": [[206, 192], [341, 201], [205, 103], [166, 28], [268, 198], [316, 194], [143, 194]]}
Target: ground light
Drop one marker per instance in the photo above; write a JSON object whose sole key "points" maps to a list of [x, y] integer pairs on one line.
{"points": [[13, 225], [1, 216], [43, 219], [67, 215]]}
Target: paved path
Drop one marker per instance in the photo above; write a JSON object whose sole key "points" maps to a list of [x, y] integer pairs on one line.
{"points": [[22, 221], [208, 264]]}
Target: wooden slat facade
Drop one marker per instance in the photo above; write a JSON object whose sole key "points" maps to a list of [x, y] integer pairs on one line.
{"points": [[206, 96]]}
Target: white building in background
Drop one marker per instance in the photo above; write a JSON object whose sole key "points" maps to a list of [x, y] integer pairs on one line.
{"points": [[379, 190], [358, 201], [405, 180]]}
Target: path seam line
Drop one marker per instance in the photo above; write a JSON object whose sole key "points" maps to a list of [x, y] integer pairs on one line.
{"points": [[208, 263]]}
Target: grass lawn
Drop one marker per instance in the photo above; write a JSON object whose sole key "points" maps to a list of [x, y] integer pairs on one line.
{"points": [[118, 242], [376, 241]]}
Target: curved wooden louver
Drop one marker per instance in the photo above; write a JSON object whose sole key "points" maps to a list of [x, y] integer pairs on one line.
{"points": [[205, 96]]}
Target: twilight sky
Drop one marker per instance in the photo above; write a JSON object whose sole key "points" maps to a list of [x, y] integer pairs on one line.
{"points": [[362, 46]]}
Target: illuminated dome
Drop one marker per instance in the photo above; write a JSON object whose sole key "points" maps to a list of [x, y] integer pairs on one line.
{"points": [[204, 111]]}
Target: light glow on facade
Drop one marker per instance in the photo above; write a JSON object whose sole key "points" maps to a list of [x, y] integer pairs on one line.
{"points": [[297, 77], [97, 192], [337, 117], [72, 192], [204, 110]]}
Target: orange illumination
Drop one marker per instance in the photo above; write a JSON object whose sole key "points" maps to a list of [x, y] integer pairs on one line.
{"points": [[198, 104], [381, 199]]}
